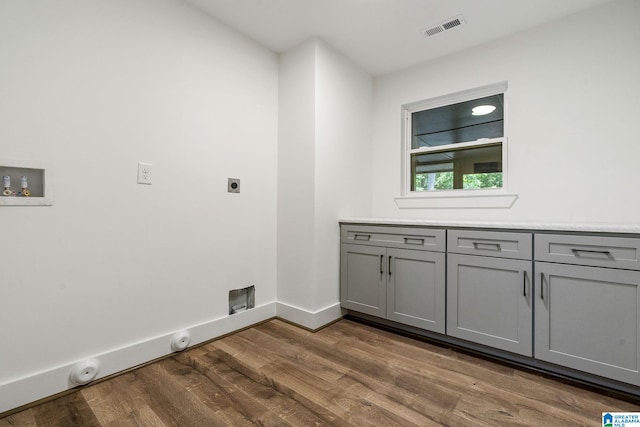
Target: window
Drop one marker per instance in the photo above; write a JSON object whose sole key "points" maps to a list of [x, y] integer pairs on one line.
{"points": [[455, 142]]}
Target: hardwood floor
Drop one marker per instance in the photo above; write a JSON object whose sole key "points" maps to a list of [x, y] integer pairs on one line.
{"points": [[347, 374]]}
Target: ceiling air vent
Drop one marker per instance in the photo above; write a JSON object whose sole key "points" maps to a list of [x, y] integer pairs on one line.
{"points": [[449, 24]]}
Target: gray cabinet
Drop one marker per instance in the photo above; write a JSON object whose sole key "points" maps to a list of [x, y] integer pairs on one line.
{"points": [[567, 302], [363, 279], [588, 304], [416, 288], [489, 289], [396, 273]]}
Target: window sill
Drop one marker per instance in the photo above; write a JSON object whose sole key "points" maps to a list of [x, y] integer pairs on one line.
{"points": [[462, 201]]}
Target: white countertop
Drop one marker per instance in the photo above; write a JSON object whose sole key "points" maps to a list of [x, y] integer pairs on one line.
{"points": [[599, 228]]}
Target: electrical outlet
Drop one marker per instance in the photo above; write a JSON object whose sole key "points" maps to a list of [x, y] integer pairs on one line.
{"points": [[233, 185], [145, 173]]}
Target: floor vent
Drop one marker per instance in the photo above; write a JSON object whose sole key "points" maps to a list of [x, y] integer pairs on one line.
{"points": [[445, 26]]}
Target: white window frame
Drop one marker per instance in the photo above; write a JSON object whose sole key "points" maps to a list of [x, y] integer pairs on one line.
{"points": [[457, 198]]}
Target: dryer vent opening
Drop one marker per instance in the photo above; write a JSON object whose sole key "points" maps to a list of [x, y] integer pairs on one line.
{"points": [[242, 299]]}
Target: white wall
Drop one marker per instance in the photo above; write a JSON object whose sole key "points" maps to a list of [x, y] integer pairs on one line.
{"points": [[324, 167], [94, 86], [343, 159], [573, 102], [296, 179]]}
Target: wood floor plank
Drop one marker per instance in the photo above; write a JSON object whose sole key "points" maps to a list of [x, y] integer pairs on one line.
{"points": [[22, 419], [414, 392], [182, 396], [300, 354], [307, 360], [468, 376], [481, 387], [262, 377], [290, 379], [276, 374], [116, 403], [243, 389], [246, 404], [70, 410]]}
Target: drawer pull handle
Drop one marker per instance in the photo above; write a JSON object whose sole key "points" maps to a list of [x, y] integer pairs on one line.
{"points": [[487, 246], [591, 254], [364, 237], [381, 266], [410, 241]]}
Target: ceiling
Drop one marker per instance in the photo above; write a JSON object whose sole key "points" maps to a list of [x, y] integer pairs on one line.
{"points": [[383, 36]]}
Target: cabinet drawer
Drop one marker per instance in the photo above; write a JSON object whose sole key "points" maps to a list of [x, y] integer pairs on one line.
{"points": [[430, 239], [500, 244], [597, 251]]}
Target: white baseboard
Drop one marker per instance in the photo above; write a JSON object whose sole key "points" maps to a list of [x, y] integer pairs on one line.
{"points": [[22, 391], [308, 319], [31, 388]]}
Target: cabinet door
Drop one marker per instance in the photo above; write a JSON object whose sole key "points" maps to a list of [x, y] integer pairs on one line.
{"points": [[587, 319], [416, 288], [489, 302], [363, 279]]}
